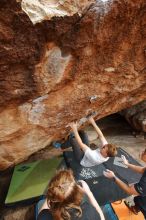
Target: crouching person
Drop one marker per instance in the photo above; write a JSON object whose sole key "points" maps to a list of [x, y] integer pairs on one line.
{"points": [[138, 189], [69, 200]]}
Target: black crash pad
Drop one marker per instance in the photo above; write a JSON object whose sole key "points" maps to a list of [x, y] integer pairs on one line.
{"points": [[104, 189], [128, 175]]}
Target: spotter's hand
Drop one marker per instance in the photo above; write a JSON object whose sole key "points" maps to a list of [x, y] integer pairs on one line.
{"points": [[124, 160], [109, 174]]}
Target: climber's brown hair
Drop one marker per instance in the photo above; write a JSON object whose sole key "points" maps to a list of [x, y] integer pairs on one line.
{"points": [[111, 150], [64, 194]]}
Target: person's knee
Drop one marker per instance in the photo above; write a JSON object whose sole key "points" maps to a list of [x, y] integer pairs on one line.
{"points": [[73, 142], [82, 132], [83, 136]]}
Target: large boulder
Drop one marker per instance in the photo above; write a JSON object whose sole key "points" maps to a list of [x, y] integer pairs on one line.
{"points": [[136, 116], [53, 72]]}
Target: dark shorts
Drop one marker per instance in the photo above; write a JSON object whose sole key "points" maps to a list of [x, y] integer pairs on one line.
{"points": [[140, 202]]}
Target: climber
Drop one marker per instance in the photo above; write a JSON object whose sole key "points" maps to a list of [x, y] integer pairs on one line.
{"points": [[67, 199], [83, 153], [138, 189]]}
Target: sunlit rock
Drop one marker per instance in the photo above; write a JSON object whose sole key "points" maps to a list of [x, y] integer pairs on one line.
{"points": [[39, 10]]}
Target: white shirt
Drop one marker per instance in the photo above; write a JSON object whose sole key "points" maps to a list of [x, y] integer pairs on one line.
{"points": [[92, 158]]}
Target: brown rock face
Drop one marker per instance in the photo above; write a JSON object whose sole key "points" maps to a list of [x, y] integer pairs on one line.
{"points": [[136, 116], [49, 71]]}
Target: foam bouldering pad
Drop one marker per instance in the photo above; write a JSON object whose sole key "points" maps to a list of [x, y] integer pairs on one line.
{"points": [[126, 174], [80, 172], [108, 212], [105, 190], [123, 213], [31, 180]]}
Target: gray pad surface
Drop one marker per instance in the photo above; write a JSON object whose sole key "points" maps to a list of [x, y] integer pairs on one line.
{"points": [[104, 189], [128, 175]]}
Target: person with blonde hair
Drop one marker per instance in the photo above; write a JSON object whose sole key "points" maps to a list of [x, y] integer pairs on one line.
{"points": [[83, 153], [68, 200]]}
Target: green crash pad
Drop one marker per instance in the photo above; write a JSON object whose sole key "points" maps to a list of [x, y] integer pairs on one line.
{"points": [[31, 180]]}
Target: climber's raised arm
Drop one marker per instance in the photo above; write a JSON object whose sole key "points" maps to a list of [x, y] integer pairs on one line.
{"points": [[98, 131], [74, 127]]}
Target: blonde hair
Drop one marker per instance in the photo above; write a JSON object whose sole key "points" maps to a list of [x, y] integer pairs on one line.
{"points": [[64, 194], [112, 150]]}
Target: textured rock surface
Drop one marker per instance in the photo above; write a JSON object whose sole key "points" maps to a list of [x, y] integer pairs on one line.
{"points": [[39, 10], [49, 71], [136, 116]]}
